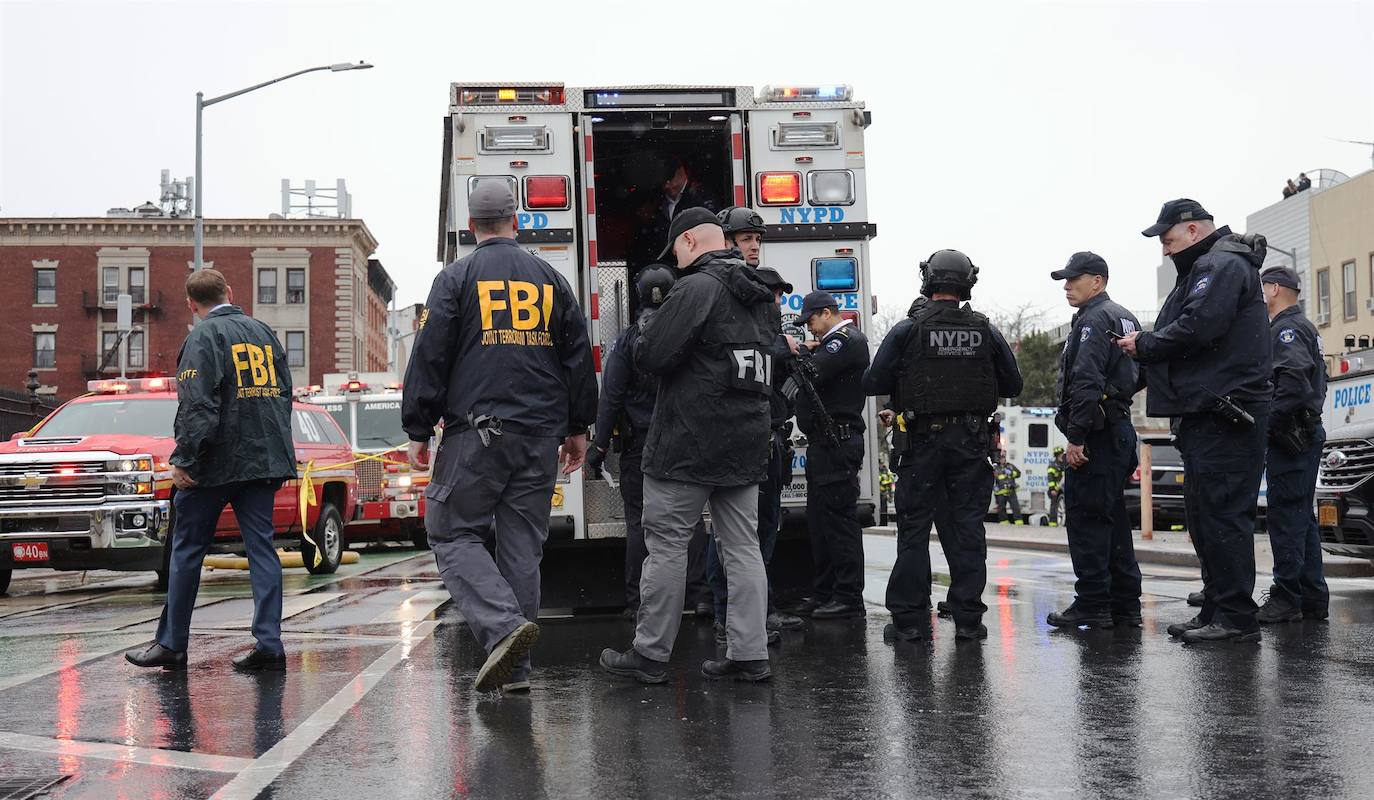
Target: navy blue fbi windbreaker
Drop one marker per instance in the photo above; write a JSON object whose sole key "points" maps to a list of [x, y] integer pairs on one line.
{"points": [[1212, 335], [233, 418], [1299, 367], [1093, 369], [711, 346], [501, 335]]}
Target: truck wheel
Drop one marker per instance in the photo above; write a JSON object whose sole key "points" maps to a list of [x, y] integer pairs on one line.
{"points": [[328, 534], [419, 536], [5, 575]]}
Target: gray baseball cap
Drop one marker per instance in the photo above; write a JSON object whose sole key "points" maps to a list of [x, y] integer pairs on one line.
{"points": [[492, 199], [1286, 277]]}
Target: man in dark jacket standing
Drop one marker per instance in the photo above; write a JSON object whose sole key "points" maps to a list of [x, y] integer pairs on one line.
{"points": [[1207, 366], [1296, 437], [1096, 384], [503, 359], [233, 435], [708, 442]]}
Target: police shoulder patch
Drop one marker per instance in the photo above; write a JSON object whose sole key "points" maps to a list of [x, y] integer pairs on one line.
{"points": [[1087, 331], [1202, 284], [834, 346], [1287, 336]]}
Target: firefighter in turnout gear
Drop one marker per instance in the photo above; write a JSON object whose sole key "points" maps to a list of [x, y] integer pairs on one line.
{"points": [[1007, 475], [945, 367], [832, 419], [233, 448], [1054, 481], [502, 357], [1096, 383]]}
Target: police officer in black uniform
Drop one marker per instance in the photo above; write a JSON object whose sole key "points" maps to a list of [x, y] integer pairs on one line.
{"points": [[1296, 437], [1096, 382], [503, 359], [1208, 367], [233, 447], [945, 366], [627, 406], [833, 363]]}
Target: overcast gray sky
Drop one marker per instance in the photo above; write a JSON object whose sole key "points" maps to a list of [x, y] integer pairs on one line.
{"points": [[1017, 132]]}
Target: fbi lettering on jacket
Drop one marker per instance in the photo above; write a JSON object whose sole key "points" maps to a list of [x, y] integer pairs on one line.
{"points": [[515, 312]]}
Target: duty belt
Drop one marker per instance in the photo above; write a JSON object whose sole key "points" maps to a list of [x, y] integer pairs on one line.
{"points": [[941, 420]]}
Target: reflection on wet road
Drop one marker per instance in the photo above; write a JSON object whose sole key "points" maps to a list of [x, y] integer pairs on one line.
{"points": [[378, 701]]}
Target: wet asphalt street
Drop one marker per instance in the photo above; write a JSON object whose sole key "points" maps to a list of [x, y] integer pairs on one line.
{"points": [[377, 701]]}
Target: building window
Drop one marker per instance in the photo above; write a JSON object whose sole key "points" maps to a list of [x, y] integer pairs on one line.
{"points": [[295, 286], [109, 352], [1324, 297], [135, 344], [44, 350], [295, 348], [109, 286], [267, 286], [1348, 289], [137, 286], [45, 287]]}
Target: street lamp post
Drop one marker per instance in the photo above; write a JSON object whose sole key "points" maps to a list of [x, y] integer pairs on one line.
{"points": [[201, 104]]}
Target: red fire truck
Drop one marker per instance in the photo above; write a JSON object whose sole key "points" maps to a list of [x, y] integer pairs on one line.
{"points": [[90, 487]]}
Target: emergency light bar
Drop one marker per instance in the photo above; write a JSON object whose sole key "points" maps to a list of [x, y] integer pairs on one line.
{"points": [[546, 192], [802, 94], [131, 386], [513, 139], [544, 95], [806, 135], [835, 274], [658, 98], [779, 188]]}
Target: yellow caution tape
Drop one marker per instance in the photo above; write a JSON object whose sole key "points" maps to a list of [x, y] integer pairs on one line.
{"points": [[305, 496]]}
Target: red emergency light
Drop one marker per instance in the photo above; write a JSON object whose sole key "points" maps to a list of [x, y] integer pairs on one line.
{"points": [[779, 188], [546, 192], [355, 386], [852, 316]]}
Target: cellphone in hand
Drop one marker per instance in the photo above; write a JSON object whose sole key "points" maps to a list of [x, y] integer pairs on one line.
{"points": [[1114, 334]]}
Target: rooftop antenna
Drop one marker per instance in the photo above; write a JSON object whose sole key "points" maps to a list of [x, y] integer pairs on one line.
{"points": [[1370, 145]]}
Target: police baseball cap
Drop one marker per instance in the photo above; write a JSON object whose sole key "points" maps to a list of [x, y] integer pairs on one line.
{"points": [[686, 220], [1084, 263], [772, 279], [1286, 277], [1174, 212], [816, 302], [492, 199]]}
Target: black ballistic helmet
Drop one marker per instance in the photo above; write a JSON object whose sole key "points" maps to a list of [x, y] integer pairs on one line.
{"points": [[738, 219], [950, 271], [653, 284]]}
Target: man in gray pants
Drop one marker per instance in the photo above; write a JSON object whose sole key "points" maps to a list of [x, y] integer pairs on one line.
{"points": [[503, 358], [708, 443]]}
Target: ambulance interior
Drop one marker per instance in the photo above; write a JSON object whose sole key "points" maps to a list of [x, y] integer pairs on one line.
{"points": [[635, 153]]}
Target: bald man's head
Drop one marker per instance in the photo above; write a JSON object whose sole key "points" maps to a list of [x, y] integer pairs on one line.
{"points": [[694, 242]]}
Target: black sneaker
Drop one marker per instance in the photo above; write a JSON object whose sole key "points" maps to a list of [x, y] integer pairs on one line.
{"points": [[630, 664], [1277, 610], [1179, 628], [1075, 617], [782, 621], [915, 633], [1196, 599], [752, 671], [966, 632], [1217, 632], [504, 656]]}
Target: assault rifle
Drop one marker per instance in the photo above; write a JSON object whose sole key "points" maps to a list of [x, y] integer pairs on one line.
{"points": [[800, 378]]}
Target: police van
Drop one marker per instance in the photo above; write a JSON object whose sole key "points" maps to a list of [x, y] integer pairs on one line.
{"points": [[1027, 434], [367, 407], [591, 168]]}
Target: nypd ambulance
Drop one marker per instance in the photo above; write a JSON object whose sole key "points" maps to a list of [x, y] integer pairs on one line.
{"points": [[588, 167]]}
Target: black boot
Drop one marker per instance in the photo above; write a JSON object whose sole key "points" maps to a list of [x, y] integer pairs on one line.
{"points": [[781, 621], [837, 610], [738, 670], [157, 656], [630, 664], [967, 632], [1075, 617], [1127, 619], [1217, 632], [256, 660], [1278, 610], [1179, 628], [914, 633], [1196, 599]]}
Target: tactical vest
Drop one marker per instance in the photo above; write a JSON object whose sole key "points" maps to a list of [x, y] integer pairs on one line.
{"points": [[948, 364]]}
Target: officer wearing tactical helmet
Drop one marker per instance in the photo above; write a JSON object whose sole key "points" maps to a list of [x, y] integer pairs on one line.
{"points": [[627, 406], [744, 229], [945, 366]]}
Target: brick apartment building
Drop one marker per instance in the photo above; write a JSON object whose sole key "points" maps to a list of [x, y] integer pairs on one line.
{"points": [[312, 280]]}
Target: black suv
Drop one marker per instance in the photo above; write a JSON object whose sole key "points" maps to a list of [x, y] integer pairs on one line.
{"points": [[1345, 493]]}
